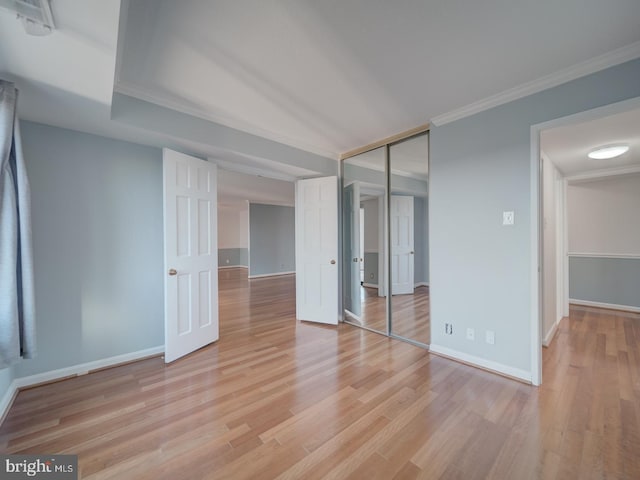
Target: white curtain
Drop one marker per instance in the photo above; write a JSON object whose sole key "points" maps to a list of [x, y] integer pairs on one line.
{"points": [[17, 306]]}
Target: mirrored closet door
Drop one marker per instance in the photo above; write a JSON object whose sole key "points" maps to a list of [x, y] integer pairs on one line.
{"points": [[363, 201], [409, 238], [385, 241]]}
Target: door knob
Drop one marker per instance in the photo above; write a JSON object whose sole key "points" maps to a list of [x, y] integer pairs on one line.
{"points": [[333, 262], [411, 252], [173, 271]]}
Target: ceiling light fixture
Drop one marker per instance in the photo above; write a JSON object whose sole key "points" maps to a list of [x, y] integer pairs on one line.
{"points": [[610, 151]]}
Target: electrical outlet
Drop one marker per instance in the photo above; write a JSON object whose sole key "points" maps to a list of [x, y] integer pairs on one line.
{"points": [[471, 334], [490, 337], [371, 276], [448, 329], [227, 260]]}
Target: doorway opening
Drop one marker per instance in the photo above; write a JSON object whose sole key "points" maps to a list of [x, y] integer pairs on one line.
{"points": [[589, 246]]}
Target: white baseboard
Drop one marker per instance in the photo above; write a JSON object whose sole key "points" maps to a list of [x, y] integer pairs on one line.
{"points": [[370, 285], [353, 315], [611, 306], [72, 371], [421, 284], [276, 274], [232, 266], [551, 333], [7, 400], [481, 363]]}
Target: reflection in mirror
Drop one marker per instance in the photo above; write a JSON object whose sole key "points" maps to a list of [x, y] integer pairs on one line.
{"points": [[363, 240], [409, 238]]}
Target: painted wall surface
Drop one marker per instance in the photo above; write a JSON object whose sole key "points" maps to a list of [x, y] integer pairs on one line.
{"points": [[6, 377], [602, 222], [370, 225], [371, 268], [150, 116], [481, 272], [371, 240], [550, 176], [98, 246], [421, 239], [233, 227], [271, 239], [233, 257], [615, 281], [603, 216], [233, 236]]}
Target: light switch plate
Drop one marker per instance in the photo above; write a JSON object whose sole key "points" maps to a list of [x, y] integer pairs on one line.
{"points": [[508, 218]]}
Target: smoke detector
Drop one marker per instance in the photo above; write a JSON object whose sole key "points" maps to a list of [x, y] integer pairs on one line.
{"points": [[35, 15]]}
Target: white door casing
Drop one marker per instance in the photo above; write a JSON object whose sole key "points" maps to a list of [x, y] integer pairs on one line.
{"points": [[317, 250], [402, 252], [190, 254]]}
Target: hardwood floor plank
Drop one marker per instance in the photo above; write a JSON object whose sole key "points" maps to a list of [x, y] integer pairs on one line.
{"points": [[277, 398]]}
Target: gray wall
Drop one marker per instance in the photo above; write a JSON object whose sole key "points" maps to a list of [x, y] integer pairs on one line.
{"points": [[371, 268], [596, 234], [150, 116], [271, 239], [6, 377], [480, 166], [421, 239], [605, 280], [230, 257], [97, 228]]}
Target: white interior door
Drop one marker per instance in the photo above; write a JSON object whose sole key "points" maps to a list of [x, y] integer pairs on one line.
{"points": [[402, 253], [351, 251], [190, 254], [317, 250]]}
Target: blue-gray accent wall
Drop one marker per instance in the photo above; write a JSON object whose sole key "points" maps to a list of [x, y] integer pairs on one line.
{"points": [[371, 268], [147, 115], [233, 257], [605, 280], [481, 272], [98, 246], [421, 239], [6, 377], [271, 239]]}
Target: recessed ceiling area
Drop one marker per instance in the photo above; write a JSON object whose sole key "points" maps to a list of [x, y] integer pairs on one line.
{"points": [[235, 189], [331, 76], [322, 77], [568, 146]]}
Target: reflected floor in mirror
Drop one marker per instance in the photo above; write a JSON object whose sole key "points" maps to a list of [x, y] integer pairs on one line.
{"points": [[410, 316]]}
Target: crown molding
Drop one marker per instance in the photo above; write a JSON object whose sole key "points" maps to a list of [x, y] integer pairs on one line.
{"points": [[131, 90], [596, 64], [603, 173]]}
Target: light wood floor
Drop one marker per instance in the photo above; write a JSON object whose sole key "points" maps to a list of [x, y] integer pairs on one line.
{"points": [[276, 398], [410, 313]]}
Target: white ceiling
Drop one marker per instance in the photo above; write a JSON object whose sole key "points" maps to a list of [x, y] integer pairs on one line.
{"points": [[234, 189], [567, 146], [329, 76], [323, 76]]}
